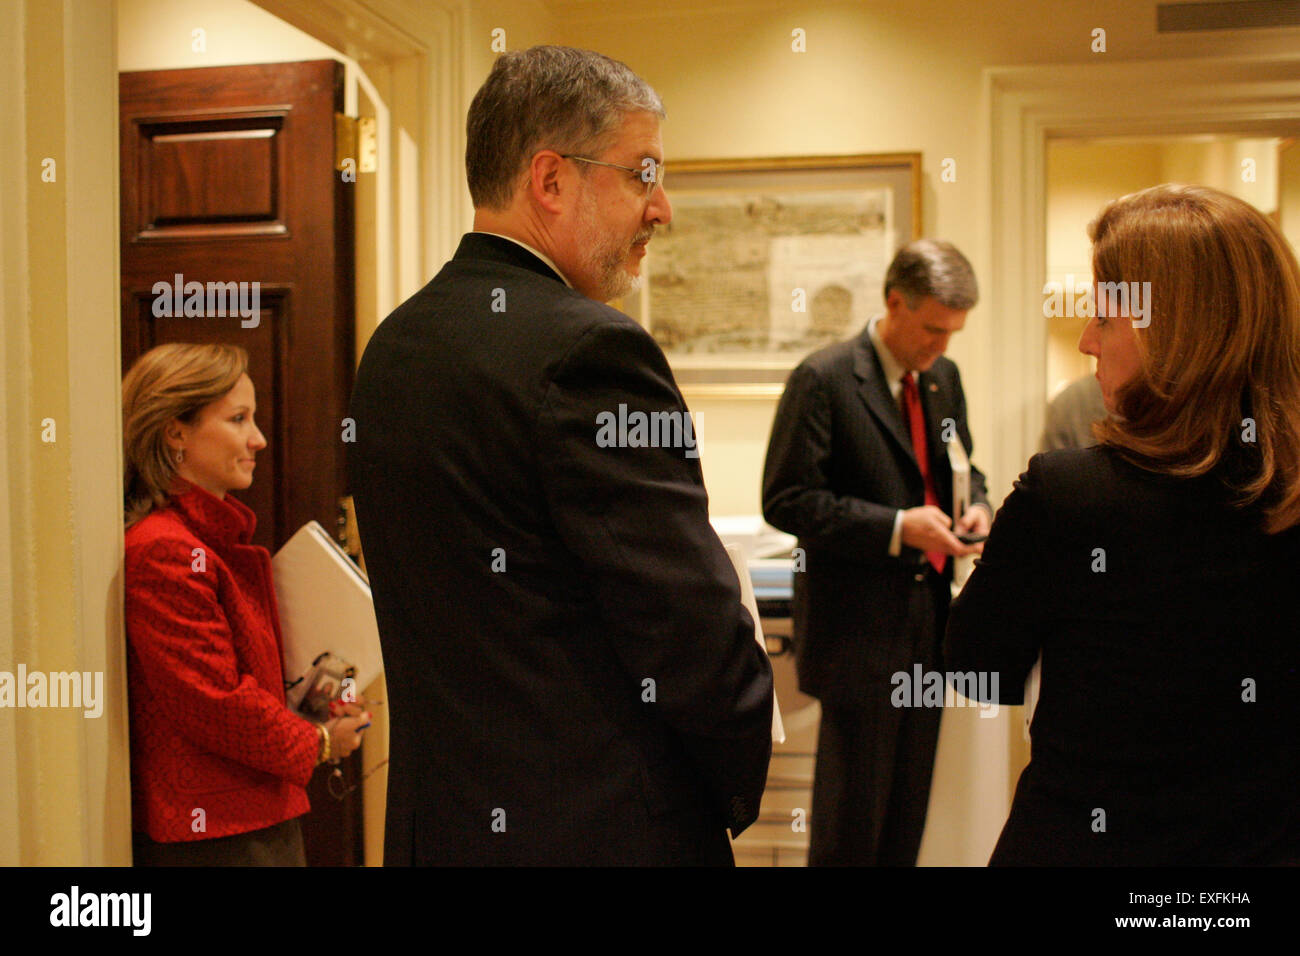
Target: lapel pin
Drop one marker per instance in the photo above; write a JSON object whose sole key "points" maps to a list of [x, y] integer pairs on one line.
{"points": [[934, 387]]}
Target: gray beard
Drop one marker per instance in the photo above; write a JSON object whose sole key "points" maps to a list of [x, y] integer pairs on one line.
{"points": [[615, 282], [621, 284]]}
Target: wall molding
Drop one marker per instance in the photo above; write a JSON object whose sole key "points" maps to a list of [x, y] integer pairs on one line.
{"points": [[1027, 106]]}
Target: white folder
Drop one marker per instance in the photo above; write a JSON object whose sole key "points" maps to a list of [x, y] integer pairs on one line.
{"points": [[325, 605], [960, 462], [738, 561]]}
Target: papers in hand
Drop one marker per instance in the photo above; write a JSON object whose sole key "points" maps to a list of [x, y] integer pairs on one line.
{"points": [[960, 462], [325, 605]]}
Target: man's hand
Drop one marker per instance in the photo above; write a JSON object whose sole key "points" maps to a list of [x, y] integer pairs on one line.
{"points": [[926, 529], [976, 520]]}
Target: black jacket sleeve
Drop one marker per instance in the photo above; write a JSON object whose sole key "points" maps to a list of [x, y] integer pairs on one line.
{"points": [[997, 623]]}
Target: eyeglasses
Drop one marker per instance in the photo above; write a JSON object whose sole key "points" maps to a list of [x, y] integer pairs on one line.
{"points": [[651, 173]]}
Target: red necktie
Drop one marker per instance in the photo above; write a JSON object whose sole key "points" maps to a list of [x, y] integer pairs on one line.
{"points": [[916, 422]]}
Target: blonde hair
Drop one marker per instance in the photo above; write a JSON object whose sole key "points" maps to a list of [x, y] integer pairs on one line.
{"points": [[1222, 349], [169, 382]]}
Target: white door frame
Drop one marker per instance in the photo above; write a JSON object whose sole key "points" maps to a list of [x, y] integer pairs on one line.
{"points": [[424, 45], [1025, 107]]}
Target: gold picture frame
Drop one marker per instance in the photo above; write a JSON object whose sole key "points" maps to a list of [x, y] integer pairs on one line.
{"points": [[766, 260]]}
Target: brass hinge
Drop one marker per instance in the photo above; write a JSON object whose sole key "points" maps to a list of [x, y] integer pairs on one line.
{"points": [[356, 144], [345, 531]]}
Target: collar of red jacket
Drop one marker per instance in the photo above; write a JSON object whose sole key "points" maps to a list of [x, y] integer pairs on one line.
{"points": [[227, 520]]}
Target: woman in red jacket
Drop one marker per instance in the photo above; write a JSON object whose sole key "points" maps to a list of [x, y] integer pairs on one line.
{"points": [[218, 762]]}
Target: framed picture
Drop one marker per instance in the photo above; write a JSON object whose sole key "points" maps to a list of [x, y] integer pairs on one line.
{"points": [[766, 260]]}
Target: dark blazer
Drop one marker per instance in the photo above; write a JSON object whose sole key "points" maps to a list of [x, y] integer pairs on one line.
{"points": [[1141, 712], [573, 678], [839, 466]]}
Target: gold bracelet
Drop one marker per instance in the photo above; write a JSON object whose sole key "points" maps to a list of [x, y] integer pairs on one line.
{"points": [[324, 754]]}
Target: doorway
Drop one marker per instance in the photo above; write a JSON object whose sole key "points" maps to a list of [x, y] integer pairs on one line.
{"points": [[1085, 173], [1030, 108]]}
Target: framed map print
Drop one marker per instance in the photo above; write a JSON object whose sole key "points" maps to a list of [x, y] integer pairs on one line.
{"points": [[766, 260]]}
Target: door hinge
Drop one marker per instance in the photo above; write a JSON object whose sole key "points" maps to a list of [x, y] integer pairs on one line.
{"points": [[356, 144], [345, 530]]}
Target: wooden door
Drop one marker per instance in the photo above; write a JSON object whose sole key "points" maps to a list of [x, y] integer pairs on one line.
{"points": [[228, 179]]}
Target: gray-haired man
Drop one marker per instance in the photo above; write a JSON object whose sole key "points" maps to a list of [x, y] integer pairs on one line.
{"points": [[573, 678], [858, 468]]}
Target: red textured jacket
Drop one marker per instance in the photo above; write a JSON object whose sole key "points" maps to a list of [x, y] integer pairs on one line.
{"points": [[210, 730]]}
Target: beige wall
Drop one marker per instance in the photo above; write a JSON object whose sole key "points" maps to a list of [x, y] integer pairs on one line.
{"points": [[876, 77], [64, 776]]}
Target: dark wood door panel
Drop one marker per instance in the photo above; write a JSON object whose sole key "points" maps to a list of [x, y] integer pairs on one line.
{"points": [[211, 175]]}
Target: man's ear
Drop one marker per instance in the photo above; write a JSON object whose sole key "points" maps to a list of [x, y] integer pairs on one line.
{"points": [[549, 181], [894, 302]]}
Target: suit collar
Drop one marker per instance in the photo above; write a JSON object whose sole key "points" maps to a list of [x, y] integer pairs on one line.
{"points": [[891, 367], [483, 245], [537, 252], [874, 390]]}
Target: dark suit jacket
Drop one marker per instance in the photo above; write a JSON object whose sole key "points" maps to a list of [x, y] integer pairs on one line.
{"points": [[839, 465], [573, 678], [1141, 711]]}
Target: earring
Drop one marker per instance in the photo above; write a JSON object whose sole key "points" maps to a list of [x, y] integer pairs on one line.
{"points": [[180, 455]]}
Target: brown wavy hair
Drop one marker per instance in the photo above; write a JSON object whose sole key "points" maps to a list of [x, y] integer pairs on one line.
{"points": [[1222, 348], [169, 382]]}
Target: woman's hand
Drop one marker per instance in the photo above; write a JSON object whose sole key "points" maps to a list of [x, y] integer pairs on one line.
{"points": [[345, 730]]}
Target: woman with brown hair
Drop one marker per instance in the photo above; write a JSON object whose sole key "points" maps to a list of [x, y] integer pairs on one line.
{"points": [[1156, 572], [218, 762]]}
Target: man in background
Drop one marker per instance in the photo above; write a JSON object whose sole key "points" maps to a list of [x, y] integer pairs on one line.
{"points": [[1070, 416], [572, 676], [858, 468]]}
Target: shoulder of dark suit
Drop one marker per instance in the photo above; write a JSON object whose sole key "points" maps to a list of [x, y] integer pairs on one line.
{"points": [[830, 359], [527, 293]]}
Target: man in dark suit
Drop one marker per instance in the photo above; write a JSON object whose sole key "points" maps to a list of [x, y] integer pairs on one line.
{"points": [[572, 676], [1070, 416], [858, 468]]}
